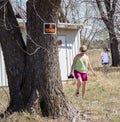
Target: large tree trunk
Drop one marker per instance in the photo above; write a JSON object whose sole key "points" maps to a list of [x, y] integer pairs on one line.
{"points": [[43, 72], [12, 46]]}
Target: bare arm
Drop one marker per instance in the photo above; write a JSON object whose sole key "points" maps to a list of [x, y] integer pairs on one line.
{"points": [[89, 64], [101, 56], [109, 58], [73, 64]]}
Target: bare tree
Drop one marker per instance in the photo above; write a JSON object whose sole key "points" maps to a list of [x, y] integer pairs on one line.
{"points": [[107, 10], [83, 12], [86, 12]]}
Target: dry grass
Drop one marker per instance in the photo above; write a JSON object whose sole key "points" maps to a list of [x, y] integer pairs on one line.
{"points": [[101, 102], [102, 98]]}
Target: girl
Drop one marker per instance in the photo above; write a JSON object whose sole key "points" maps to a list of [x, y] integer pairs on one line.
{"points": [[80, 68], [105, 58]]}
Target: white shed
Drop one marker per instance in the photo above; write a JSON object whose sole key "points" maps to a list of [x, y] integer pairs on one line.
{"points": [[69, 34]]}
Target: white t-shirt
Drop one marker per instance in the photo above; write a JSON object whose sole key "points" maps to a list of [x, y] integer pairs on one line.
{"points": [[105, 57]]}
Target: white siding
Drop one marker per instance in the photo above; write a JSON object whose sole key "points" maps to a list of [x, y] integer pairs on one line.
{"points": [[3, 76], [73, 45]]}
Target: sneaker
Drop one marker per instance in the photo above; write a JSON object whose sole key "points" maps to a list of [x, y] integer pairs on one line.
{"points": [[77, 93]]}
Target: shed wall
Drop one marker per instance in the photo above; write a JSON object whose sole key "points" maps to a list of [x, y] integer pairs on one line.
{"points": [[72, 37], [3, 75]]}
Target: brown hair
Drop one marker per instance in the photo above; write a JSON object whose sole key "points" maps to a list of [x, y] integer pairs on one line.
{"points": [[83, 48], [105, 48]]}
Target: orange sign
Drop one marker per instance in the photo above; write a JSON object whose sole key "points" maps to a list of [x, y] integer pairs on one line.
{"points": [[49, 28]]}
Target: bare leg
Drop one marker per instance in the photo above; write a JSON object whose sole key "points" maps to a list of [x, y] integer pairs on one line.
{"points": [[79, 81], [107, 66], [103, 69], [106, 69], [78, 84], [83, 88]]}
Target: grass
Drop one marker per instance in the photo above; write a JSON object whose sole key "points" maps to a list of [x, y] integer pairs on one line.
{"points": [[101, 102], [102, 98]]}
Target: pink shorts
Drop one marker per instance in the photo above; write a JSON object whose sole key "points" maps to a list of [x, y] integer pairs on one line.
{"points": [[82, 75]]}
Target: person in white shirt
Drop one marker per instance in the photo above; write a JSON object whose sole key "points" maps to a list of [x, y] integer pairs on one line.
{"points": [[105, 60]]}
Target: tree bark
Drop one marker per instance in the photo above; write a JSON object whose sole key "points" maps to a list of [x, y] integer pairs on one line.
{"points": [[114, 46], [44, 63], [12, 46]]}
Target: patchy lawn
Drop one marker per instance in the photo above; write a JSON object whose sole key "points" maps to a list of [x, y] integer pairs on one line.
{"points": [[101, 102], [102, 98]]}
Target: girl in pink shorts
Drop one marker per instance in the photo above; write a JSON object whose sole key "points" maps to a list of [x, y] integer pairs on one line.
{"points": [[80, 68], [78, 75]]}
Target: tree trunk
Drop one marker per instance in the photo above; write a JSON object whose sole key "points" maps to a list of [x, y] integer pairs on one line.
{"points": [[113, 41], [43, 72], [12, 46], [114, 48]]}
